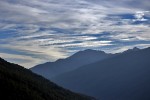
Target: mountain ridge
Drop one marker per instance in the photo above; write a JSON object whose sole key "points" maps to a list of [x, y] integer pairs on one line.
{"points": [[51, 69], [122, 77], [18, 83]]}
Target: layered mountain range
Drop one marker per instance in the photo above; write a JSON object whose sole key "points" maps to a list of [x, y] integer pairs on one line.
{"points": [[81, 58], [122, 76]]}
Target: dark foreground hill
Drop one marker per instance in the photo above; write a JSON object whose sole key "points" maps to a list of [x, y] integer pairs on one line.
{"points": [[122, 77], [18, 83]]}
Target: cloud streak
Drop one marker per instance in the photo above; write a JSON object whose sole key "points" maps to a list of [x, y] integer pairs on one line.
{"points": [[45, 30]]}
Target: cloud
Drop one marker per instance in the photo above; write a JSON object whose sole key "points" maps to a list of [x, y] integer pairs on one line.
{"points": [[30, 55], [133, 4], [140, 16], [45, 30]]}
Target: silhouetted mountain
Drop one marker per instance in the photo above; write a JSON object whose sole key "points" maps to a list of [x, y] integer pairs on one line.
{"points": [[131, 50], [18, 83], [73, 62], [122, 77]]}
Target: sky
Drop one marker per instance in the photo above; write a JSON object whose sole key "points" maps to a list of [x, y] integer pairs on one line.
{"points": [[37, 31]]}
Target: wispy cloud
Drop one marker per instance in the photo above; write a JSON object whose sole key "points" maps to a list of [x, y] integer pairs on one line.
{"points": [[45, 30]]}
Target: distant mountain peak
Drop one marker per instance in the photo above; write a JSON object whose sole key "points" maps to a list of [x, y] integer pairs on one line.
{"points": [[131, 50], [73, 62], [88, 51], [135, 49], [91, 50]]}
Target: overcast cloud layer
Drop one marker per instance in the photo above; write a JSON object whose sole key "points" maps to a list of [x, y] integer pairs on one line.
{"points": [[37, 31]]}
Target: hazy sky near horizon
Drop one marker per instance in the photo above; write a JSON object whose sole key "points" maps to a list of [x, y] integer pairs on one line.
{"points": [[37, 31]]}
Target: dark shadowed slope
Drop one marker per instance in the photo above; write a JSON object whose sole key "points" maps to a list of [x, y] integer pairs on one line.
{"points": [[80, 58], [18, 83], [123, 77]]}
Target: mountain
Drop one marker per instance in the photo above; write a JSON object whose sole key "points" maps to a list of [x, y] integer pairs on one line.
{"points": [[131, 50], [18, 83], [122, 77], [52, 69]]}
